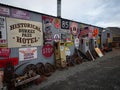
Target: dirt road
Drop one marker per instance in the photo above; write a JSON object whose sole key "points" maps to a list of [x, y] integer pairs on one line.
{"points": [[101, 74]]}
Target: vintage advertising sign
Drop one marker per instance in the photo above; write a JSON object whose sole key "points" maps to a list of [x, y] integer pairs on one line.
{"points": [[56, 37], [3, 42], [57, 23], [64, 24], [27, 53], [67, 51], [20, 14], [47, 28], [47, 50], [74, 28], [85, 31], [23, 33], [95, 32], [4, 52], [76, 42], [4, 11], [3, 62], [90, 35]]}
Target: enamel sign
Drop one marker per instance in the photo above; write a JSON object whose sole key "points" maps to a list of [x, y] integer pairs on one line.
{"points": [[23, 33]]}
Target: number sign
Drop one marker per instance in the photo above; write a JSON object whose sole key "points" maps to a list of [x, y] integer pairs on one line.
{"points": [[64, 24]]}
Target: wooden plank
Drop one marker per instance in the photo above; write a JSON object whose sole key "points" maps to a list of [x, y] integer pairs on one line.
{"points": [[27, 80]]}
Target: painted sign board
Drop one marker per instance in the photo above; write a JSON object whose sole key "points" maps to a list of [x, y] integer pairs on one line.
{"points": [[47, 28], [74, 28], [56, 37], [65, 24], [23, 33], [4, 52], [27, 53], [4, 11], [76, 42], [20, 14], [57, 23], [83, 32]]}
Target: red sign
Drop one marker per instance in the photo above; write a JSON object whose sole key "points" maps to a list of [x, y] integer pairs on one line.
{"points": [[85, 31], [57, 23], [4, 52], [47, 17], [47, 50], [5, 61], [95, 32]]}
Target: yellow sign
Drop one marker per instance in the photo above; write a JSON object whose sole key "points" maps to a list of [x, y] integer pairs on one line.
{"points": [[98, 52], [98, 41], [109, 40], [23, 33]]}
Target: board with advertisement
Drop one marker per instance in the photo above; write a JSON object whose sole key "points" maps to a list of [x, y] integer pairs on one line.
{"points": [[20, 14], [27, 53], [74, 28], [4, 11], [84, 32], [47, 23], [23, 33], [4, 52], [3, 41]]}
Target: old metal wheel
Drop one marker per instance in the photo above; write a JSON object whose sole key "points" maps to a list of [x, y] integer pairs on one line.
{"points": [[30, 70], [40, 68], [49, 69]]}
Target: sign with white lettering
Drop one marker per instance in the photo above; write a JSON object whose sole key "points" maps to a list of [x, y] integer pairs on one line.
{"points": [[23, 33], [27, 53], [4, 11], [4, 52], [3, 42], [47, 50], [64, 24], [20, 14]]}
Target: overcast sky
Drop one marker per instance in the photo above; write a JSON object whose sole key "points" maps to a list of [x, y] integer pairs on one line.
{"points": [[103, 13]]}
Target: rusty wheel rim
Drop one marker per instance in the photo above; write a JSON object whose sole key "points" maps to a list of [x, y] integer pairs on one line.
{"points": [[29, 67], [49, 68], [40, 68]]}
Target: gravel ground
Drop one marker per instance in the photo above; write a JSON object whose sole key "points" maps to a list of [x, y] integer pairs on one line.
{"points": [[64, 77]]}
